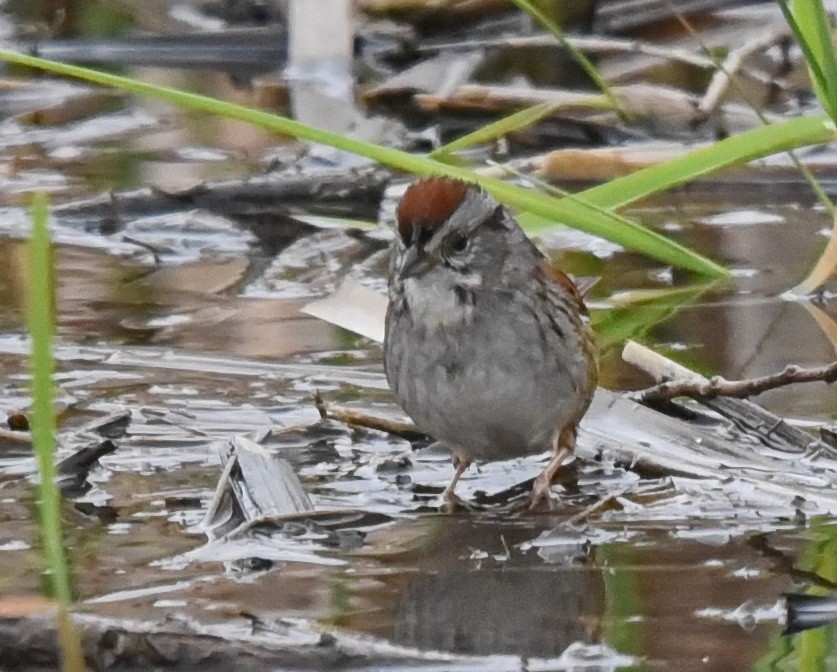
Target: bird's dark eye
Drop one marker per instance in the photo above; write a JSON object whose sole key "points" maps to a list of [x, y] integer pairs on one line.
{"points": [[457, 244]]}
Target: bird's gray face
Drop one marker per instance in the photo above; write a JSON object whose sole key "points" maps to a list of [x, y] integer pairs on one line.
{"points": [[439, 264], [436, 275], [437, 257], [458, 251]]}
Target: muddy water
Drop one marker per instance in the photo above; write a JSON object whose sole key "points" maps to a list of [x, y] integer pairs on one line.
{"points": [[192, 322], [682, 584]]}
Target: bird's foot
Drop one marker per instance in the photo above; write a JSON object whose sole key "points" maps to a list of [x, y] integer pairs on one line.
{"points": [[451, 503], [541, 497]]}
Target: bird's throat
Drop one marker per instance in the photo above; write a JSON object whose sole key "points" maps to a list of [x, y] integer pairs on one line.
{"points": [[438, 304]]}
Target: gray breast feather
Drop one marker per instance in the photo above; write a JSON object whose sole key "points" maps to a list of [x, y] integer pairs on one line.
{"points": [[473, 393]]}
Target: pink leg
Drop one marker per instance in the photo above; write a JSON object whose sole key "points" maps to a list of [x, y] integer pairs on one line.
{"points": [[540, 488], [461, 466]]}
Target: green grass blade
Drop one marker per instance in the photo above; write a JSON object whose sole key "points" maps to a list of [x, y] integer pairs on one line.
{"points": [[496, 129], [575, 214], [514, 122], [756, 107], [619, 324], [43, 421], [41, 323], [752, 144], [807, 38], [536, 224], [805, 45], [825, 45], [814, 28], [627, 233], [579, 57], [265, 120]]}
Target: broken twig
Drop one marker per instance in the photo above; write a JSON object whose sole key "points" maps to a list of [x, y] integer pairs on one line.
{"points": [[749, 417], [740, 389], [406, 430], [588, 511], [734, 64]]}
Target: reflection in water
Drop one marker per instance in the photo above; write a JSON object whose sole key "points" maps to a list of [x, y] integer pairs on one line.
{"points": [[450, 585], [189, 306], [813, 649], [463, 586], [530, 613]]}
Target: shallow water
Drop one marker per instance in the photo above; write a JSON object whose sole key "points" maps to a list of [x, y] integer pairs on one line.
{"points": [[191, 321], [677, 582]]}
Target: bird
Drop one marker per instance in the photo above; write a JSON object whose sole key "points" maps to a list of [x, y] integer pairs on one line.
{"points": [[487, 346]]}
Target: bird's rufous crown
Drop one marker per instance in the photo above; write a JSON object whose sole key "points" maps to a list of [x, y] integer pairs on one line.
{"points": [[427, 204]]}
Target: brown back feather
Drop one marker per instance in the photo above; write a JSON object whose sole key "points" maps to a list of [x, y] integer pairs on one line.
{"points": [[562, 279]]}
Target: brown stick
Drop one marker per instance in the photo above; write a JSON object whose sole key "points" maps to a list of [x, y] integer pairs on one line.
{"points": [[734, 63], [594, 44], [749, 417], [717, 386], [328, 411]]}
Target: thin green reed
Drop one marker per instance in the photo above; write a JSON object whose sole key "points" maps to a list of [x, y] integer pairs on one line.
{"points": [[41, 316], [40, 304]]}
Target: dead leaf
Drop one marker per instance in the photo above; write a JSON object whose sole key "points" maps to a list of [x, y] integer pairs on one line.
{"points": [[823, 269], [353, 307], [824, 321]]}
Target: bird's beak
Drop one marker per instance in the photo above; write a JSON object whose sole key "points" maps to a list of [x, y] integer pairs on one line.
{"points": [[414, 262]]}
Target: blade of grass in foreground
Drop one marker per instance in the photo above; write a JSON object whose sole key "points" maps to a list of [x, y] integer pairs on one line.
{"points": [[513, 122], [741, 148], [576, 214], [811, 26], [40, 305]]}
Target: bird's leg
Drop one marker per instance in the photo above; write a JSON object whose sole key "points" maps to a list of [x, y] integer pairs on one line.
{"points": [[461, 465], [564, 445]]}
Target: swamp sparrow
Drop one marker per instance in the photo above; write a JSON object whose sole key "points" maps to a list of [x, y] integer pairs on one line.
{"points": [[487, 347]]}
